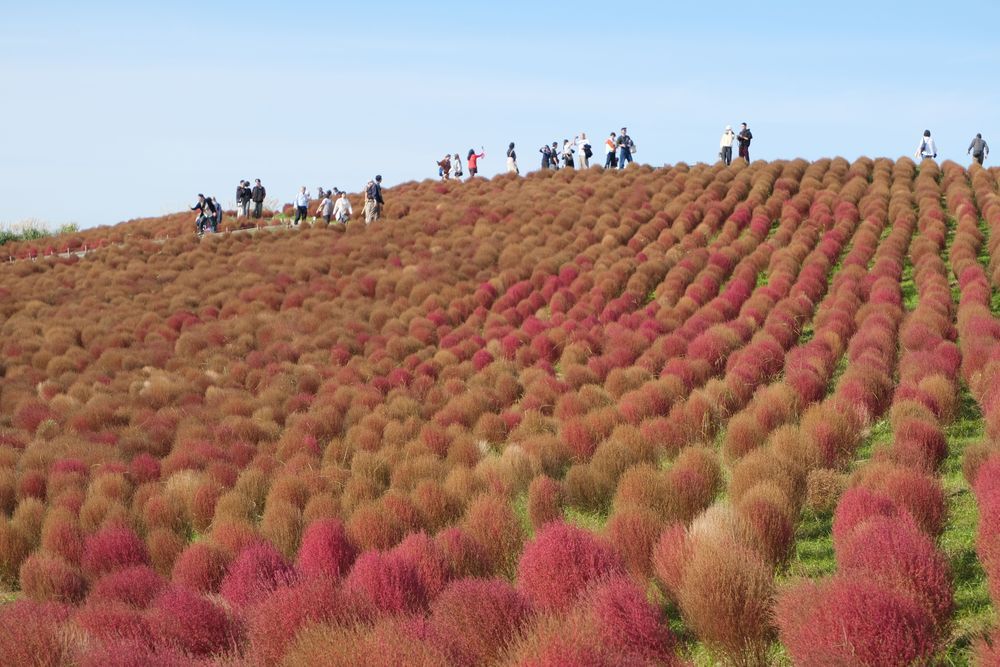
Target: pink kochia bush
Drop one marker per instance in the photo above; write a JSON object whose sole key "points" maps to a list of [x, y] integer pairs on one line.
{"points": [[475, 619], [559, 563], [30, 633], [865, 621], [113, 547], [135, 586], [185, 619], [258, 570], [389, 582], [325, 550]]}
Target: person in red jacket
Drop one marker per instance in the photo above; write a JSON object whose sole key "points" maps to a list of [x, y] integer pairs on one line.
{"points": [[474, 158]]}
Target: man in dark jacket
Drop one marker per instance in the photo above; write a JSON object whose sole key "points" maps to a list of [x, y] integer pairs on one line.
{"points": [[257, 195], [744, 138], [206, 213], [979, 149]]}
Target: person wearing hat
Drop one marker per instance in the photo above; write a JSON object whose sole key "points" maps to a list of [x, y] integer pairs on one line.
{"points": [[744, 138], [373, 200], [726, 145]]}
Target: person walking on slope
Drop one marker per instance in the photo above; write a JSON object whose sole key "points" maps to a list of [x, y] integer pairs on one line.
{"points": [[342, 210], [456, 167], [979, 149], [726, 145], [257, 195], [373, 200], [512, 160], [744, 138], [240, 195], [584, 151], [610, 149], [216, 220], [301, 206], [627, 147], [927, 149], [474, 159]]}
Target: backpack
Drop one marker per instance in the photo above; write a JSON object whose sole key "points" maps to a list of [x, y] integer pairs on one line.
{"points": [[588, 151]]}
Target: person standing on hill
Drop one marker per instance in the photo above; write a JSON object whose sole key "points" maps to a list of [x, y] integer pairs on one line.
{"points": [[979, 149], [927, 148], [456, 167], [584, 151], [342, 210], [444, 168], [217, 219], [301, 206], [326, 206], [206, 211], [373, 200], [474, 159], [546, 156], [726, 145], [627, 147], [610, 149], [239, 199], [744, 138], [257, 195], [512, 160], [567, 154]]}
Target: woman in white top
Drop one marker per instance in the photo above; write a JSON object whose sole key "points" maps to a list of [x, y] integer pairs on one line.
{"points": [[726, 145], [927, 149], [342, 210], [583, 150]]}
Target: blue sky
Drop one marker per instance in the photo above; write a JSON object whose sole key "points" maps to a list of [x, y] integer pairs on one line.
{"points": [[115, 110]]}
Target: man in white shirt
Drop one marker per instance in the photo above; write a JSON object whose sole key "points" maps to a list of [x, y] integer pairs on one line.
{"points": [[301, 205], [342, 210], [726, 145]]}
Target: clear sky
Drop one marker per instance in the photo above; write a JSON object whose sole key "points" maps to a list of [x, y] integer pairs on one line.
{"points": [[115, 110]]}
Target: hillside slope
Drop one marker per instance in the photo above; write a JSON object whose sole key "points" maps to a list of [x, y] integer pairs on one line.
{"points": [[572, 418]]}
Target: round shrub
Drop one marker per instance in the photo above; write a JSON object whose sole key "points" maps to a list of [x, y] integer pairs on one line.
{"points": [[854, 620], [185, 619], [258, 570], [134, 586], [474, 619], [201, 567], [389, 582], [559, 563], [325, 550], [47, 577], [113, 547]]}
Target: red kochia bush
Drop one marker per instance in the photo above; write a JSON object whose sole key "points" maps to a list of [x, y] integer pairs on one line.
{"points": [[201, 567], [560, 561], [48, 578], [114, 547], [628, 624], [858, 505], [389, 582], [132, 653], [632, 532], [185, 619], [474, 619], [259, 569], [115, 622], [325, 550], [544, 501], [273, 623], [134, 586], [853, 621], [902, 556], [30, 633]]}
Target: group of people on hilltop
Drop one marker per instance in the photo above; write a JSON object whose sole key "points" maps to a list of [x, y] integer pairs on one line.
{"points": [[451, 166], [209, 214], [576, 154], [245, 195], [328, 209], [743, 139]]}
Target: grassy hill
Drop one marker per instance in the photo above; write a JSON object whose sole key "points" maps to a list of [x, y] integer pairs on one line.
{"points": [[732, 415]]}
